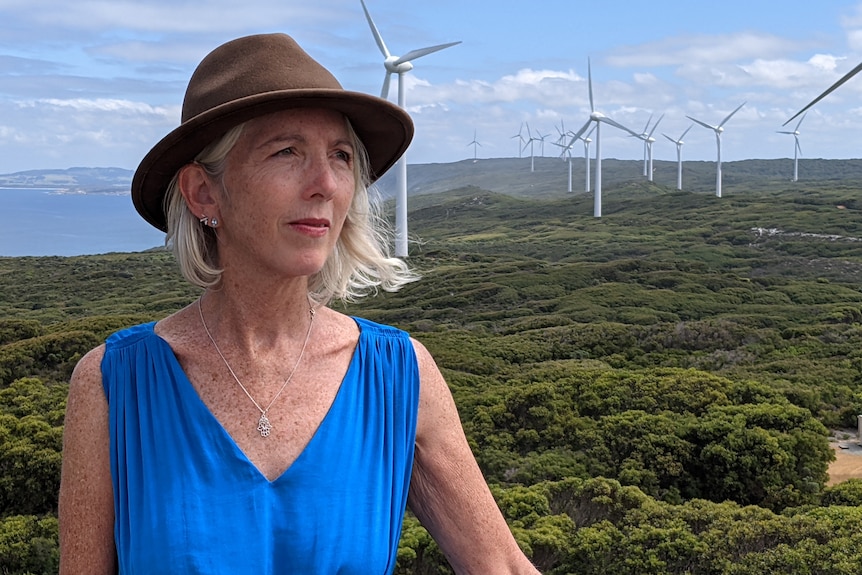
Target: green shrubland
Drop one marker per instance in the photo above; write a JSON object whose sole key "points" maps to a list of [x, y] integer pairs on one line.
{"points": [[648, 392]]}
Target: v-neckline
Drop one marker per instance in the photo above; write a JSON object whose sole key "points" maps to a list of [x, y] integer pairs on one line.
{"points": [[189, 389]]}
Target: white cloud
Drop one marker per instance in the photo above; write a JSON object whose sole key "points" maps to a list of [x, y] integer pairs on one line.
{"points": [[107, 105], [690, 50]]}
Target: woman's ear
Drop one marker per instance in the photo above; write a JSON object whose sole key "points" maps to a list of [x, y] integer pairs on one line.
{"points": [[199, 191]]}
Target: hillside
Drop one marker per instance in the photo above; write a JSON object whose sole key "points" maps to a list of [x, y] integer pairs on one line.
{"points": [[512, 176], [83, 180], [549, 179], [650, 392]]}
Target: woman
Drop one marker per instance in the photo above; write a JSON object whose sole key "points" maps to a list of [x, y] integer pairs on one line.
{"points": [[257, 430]]}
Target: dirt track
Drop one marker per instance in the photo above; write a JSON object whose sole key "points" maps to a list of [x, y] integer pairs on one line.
{"points": [[847, 465]]}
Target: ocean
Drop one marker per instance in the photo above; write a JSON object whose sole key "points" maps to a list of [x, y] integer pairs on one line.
{"points": [[41, 222]]}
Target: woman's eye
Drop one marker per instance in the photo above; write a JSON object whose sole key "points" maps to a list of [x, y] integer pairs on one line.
{"points": [[286, 151], [343, 155]]}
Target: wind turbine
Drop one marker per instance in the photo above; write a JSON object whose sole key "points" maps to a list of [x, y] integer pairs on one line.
{"points": [[563, 135], [797, 149], [679, 144], [648, 142], [643, 136], [599, 119], [520, 136], [474, 143], [718, 130], [530, 140], [541, 139], [567, 151], [399, 65]]}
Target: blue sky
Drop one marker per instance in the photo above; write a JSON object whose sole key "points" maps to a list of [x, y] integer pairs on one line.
{"points": [[97, 82]]}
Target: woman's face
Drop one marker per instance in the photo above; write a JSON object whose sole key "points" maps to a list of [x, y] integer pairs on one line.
{"points": [[289, 183]]}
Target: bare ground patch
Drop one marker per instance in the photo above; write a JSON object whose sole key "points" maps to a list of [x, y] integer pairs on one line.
{"points": [[848, 458]]}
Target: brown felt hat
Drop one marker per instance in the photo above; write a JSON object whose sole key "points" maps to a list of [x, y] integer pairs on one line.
{"points": [[250, 77]]}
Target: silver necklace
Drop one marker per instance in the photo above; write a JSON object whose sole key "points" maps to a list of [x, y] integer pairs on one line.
{"points": [[264, 427]]}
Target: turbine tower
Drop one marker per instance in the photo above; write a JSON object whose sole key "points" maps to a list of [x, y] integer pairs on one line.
{"points": [[566, 154], [586, 139], [679, 144], [399, 65], [797, 149], [474, 143], [718, 130], [599, 119]]}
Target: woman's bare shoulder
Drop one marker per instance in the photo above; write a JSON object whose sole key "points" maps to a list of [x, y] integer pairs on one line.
{"points": [[89, 368]]}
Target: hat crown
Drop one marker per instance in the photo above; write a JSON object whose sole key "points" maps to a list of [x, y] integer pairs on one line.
{"points": [[250, 77], [251, 66]]}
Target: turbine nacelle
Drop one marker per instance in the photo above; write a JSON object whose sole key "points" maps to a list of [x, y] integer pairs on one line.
{"points": [[394, 65], [597, 116]]}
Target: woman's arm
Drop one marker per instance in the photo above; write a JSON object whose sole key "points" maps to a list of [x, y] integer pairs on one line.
{"points": [[86, 508], [448, 493]]}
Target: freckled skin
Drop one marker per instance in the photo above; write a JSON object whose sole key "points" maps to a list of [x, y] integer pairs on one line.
{"points": [[287, 168]]}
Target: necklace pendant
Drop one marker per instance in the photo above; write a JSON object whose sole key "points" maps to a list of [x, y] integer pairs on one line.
{"points": [[263, 425]]}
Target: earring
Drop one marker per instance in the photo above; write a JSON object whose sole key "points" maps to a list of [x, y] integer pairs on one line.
{"points": [[203, 219], [214, 223]]}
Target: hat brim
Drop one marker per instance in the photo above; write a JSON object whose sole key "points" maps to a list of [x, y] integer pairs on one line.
{"points": [[384, 129]]}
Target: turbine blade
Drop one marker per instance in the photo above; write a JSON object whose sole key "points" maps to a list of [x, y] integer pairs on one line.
{"points": [[704, 124], [828, 91], [385, 92], [563, 149], [577, 134], [686, 131], [798, 147], [520, 132], [377, 37], [655, 126], [800, 121], [782, 132], [413, 54], [669, 138], [590, 84], [647, 123], [620, 126], [731, 114]]}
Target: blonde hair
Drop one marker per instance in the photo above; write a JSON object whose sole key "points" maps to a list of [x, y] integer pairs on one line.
{"points": [[359, 265]]}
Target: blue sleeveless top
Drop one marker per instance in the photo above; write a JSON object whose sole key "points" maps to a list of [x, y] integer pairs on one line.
{"points": [[187, 499]]}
